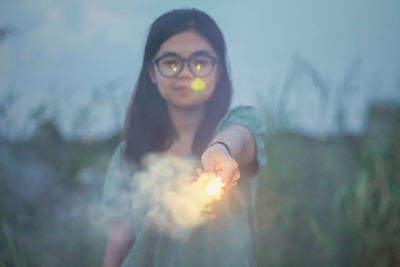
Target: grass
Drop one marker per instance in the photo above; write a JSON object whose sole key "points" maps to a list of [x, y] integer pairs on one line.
{"points": [[17, 253], [330, 201]]}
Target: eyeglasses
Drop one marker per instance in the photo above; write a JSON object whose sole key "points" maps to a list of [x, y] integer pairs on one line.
{"points": [[171, 64]]}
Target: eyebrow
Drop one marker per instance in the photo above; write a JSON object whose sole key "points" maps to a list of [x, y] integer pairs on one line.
{"points": [[202, 52]]}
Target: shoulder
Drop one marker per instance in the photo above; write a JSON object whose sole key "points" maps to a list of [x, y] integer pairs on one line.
{"points": [[242, 115], [244, 110], [121, 147], [118, 155], [119, 150]]}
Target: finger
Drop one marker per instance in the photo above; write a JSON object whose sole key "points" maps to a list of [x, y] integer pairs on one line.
{"points": [[228, 170], [218, 169], [199, 171], [236, 176]]}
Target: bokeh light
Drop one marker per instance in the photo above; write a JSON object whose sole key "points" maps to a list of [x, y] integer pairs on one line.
{"points": [[198, 85], [214, 188]]}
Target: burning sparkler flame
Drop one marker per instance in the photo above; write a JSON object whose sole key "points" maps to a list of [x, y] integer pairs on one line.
{"points": [[214, 187]]}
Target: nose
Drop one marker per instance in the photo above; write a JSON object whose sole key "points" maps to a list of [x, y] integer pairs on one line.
{"points": [[185, 72]]}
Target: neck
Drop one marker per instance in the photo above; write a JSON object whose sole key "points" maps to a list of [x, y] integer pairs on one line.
{"points": [[186, 121]]}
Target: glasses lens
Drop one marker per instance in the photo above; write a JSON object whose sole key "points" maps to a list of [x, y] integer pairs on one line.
{"points": [[170, 65], [201, 65]]}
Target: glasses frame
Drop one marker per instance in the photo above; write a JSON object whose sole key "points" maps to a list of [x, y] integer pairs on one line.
{"points": [[214, 60]]}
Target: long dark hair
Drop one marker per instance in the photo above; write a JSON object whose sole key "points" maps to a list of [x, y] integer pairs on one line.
{"points": [[148, 126]]}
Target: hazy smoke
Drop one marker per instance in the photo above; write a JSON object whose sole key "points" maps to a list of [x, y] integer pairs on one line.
{"points": [[166, 194]]}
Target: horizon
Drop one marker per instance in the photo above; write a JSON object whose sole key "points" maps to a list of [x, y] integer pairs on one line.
{"points": [[77, 55]]}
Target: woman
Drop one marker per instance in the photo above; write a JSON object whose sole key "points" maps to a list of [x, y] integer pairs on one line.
{"points": [[180, 108]]}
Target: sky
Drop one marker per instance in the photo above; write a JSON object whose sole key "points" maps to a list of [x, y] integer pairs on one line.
{"points": [[78, 60]]}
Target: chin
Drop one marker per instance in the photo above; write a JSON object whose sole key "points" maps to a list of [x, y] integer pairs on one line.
{"points": [[188, 105]]}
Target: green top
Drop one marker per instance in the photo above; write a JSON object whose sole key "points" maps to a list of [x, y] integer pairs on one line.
{"points": [[227, 240]]}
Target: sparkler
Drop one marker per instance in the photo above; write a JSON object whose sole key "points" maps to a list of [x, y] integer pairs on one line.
{"points": [[212, 185], [172, 198], [214, 188]]}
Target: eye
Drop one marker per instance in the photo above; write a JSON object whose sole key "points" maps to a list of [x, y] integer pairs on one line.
{"points": [[170, 63], [199, 64]]}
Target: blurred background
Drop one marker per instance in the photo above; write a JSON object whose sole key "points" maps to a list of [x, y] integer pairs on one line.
{"points": [[325, 75]]}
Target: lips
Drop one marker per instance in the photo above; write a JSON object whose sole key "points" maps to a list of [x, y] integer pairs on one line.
{"points": [[182, 88]]}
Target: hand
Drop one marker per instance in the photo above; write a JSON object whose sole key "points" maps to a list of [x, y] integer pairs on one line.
{"points": [[216, 159]]}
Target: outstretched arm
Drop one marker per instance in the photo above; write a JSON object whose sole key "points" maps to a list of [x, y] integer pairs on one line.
{"points": [[216, 158]]}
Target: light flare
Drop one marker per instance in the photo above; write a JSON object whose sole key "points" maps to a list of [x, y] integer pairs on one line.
{"points": [[214, 188], [198, 85]]}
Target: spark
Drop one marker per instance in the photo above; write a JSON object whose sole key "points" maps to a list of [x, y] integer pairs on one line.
{"points": [[214, 187]]}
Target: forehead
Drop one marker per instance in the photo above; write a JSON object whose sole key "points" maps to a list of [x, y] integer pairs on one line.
{"points": [[185, 44]]}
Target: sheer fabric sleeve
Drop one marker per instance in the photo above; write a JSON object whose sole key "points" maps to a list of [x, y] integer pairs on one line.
{"points": [[115, 199]]}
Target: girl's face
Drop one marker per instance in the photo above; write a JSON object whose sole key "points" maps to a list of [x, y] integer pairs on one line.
{"points": [[179, 84]]}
